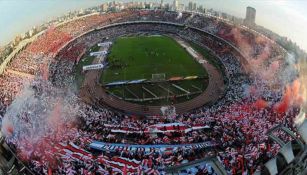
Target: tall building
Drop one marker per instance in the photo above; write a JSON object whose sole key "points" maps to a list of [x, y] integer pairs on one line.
{"points": [[104, 7], [181, 7], [190, 6], [194, 6], [250, 17], [200, 9], [167, 6], [175, 4]]}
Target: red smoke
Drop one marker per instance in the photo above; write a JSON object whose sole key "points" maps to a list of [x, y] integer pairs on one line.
{"points": [[42, 148], [291, 97], [8, 129], [241, 41], [260, 104], [55, 116], [270, 72]]}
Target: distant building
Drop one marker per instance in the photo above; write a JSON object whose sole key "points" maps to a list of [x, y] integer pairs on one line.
{"points": [[181, 7], [175, 4], [250, 17], [17, 40], [147, 6], [200, 9], [190, 6], [216, 13], [194, 6], [167, 6], [104, 7], [237, 21]]}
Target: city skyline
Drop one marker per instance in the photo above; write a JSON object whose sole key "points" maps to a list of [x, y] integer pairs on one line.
{"points": [[279, 21]]}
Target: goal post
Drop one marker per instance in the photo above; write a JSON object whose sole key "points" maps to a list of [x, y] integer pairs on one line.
{"points": [[168, 111], [158, 77]]}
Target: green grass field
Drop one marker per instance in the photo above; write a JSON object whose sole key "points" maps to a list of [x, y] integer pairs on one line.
{"points": [[133, 58]]}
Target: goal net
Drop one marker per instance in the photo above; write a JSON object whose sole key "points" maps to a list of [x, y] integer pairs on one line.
{"points": [[168, 110], [158, 77]]}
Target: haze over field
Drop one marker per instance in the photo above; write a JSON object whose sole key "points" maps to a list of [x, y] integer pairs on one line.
{"points": [[285, 17]]}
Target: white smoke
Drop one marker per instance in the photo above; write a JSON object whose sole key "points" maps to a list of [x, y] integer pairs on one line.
{"points": [[299, 119], [289, 72], [40, 111], [179, 16], [302, 69], [303, 81]]}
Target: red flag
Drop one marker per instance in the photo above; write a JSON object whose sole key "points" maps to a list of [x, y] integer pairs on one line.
{"points": [[125, 170], [49, 171]]}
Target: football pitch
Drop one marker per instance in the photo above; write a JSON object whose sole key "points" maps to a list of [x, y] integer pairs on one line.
{"points": [[138, 57]]}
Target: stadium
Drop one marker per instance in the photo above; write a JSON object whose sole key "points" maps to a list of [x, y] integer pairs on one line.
{"points": [[141, 91]]}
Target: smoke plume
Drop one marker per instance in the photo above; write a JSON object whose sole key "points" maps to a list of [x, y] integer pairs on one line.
{"points": [[40, 116]]}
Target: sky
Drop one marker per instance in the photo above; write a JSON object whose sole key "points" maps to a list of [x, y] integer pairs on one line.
{"points": [[285, 17]]}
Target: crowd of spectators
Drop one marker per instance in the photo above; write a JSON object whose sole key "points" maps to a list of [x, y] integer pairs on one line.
{"points": [[236, 123]]}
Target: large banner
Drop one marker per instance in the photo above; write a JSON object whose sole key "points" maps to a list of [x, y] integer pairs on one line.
{"points": [[105, 44], [102, 146], [157, 128], [100, 53], [93, 67]]}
